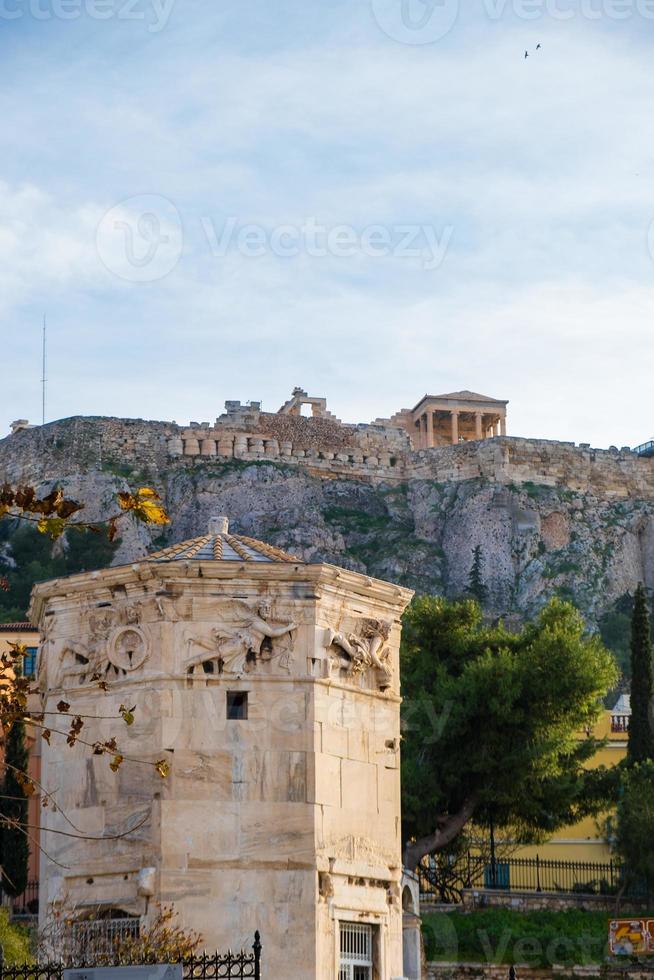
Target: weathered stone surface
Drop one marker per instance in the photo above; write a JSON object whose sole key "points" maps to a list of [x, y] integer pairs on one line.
{"points": [[550, 517], [286, 820]]}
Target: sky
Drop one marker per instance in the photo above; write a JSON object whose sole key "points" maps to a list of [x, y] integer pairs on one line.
{"points": [[371, 199]]}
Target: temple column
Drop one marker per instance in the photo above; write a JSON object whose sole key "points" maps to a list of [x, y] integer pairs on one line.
{"points": [[495, 428], [455, 428], [423, 432], [478, 426], [430, 429], [503, 425]]}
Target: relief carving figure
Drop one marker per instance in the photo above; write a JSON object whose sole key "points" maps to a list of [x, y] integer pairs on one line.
{"points": [[367, 648], [81, 661], [238, 647]]}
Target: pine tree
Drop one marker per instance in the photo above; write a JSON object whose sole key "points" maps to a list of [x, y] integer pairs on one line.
{"points": [[14, 845], [476, 585], [641, 735]]}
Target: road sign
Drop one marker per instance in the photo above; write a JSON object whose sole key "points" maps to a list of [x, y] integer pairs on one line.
{"points": [[630, 937]]}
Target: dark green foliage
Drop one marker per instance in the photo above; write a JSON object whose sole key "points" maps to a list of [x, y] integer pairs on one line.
{"points": [[476, 586], [14, 845], [27, 557], [491, 719], [634, 843], [504, 936], [615, 630], [641, 734]]}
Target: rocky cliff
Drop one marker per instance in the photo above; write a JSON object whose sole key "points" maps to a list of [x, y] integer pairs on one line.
{"points": [[551, 518]]}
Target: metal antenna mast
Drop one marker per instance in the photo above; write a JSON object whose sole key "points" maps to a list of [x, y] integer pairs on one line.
{"points": [[43, 377]]}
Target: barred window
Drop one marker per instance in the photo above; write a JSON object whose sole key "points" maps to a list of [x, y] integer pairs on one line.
{"points": [[356, 951], [96, 939]]}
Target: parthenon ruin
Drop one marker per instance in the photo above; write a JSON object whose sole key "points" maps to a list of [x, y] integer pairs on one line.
{"points": [[461, 416]]}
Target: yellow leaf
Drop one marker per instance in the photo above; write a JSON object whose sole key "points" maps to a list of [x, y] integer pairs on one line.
{"points": [[115, 763], [127, 714], [52, 526], [163, 768]]}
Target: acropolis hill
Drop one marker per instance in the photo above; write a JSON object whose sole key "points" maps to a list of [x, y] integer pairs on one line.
{"points": [[404, 498]]}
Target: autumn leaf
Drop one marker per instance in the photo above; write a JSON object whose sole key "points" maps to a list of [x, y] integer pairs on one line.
{"points": [[46, 734], [127, 714], [24, 782], [4, 582], [54, 527], [75, 728], [63, 707], [145, 504], [112, 528], [163, 768], [111, 745], [114, 765]]}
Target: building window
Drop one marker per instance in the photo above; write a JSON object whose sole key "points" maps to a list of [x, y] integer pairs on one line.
{"points": [[356, 951], [29, 662], [237, 705], [96, 939]]}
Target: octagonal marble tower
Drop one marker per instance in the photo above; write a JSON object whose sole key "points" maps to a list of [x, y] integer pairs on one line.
{"points": [[271, 687]]}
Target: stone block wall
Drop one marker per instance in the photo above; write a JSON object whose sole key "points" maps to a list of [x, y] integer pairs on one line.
{"points": [[375, 453], [489, 971], [536, 901]]}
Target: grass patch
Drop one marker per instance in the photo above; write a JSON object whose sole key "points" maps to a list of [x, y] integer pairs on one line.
{"points": [[361, 521], [15, 941], [504, 936]]}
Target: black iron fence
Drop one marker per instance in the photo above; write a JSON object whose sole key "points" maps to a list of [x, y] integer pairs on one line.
{"points": [[219, 966], [28, 902], [444, 881]]}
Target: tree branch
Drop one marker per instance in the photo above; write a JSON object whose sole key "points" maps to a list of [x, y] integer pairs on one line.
{"points": [[448, 826]]}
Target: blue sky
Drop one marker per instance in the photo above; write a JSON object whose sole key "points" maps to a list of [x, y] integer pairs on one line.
{"points": [[483, 220]]}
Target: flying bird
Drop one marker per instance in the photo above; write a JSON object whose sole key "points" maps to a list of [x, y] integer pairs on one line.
{"points": [[526, 54], [538, 47]]}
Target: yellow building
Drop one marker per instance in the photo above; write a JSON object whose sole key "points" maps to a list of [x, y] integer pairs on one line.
{"points": [[586, 840], [27, 904]]}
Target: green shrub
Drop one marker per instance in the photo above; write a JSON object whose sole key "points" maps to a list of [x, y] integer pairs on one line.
{"points": [[505, 936], [15, 941]]}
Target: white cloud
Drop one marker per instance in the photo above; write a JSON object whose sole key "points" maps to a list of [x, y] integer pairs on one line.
{"points": [[542, 168]]}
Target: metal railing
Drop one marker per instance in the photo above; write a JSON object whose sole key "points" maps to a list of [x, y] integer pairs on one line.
{"points": [[442, 882], [103, 935], [230, 966], [27, 903]]}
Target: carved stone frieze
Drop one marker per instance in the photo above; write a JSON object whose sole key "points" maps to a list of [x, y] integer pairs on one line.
{"points": [[251, 638], [361, 650]]}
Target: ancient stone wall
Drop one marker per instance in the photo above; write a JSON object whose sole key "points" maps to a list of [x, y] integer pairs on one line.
{"points": [[610, 473], [490, 971], [324, 446]]}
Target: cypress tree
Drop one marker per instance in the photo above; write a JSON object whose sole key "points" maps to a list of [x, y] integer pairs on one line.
{"points": [[641, 736], [476, 585], [14, 845]]}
